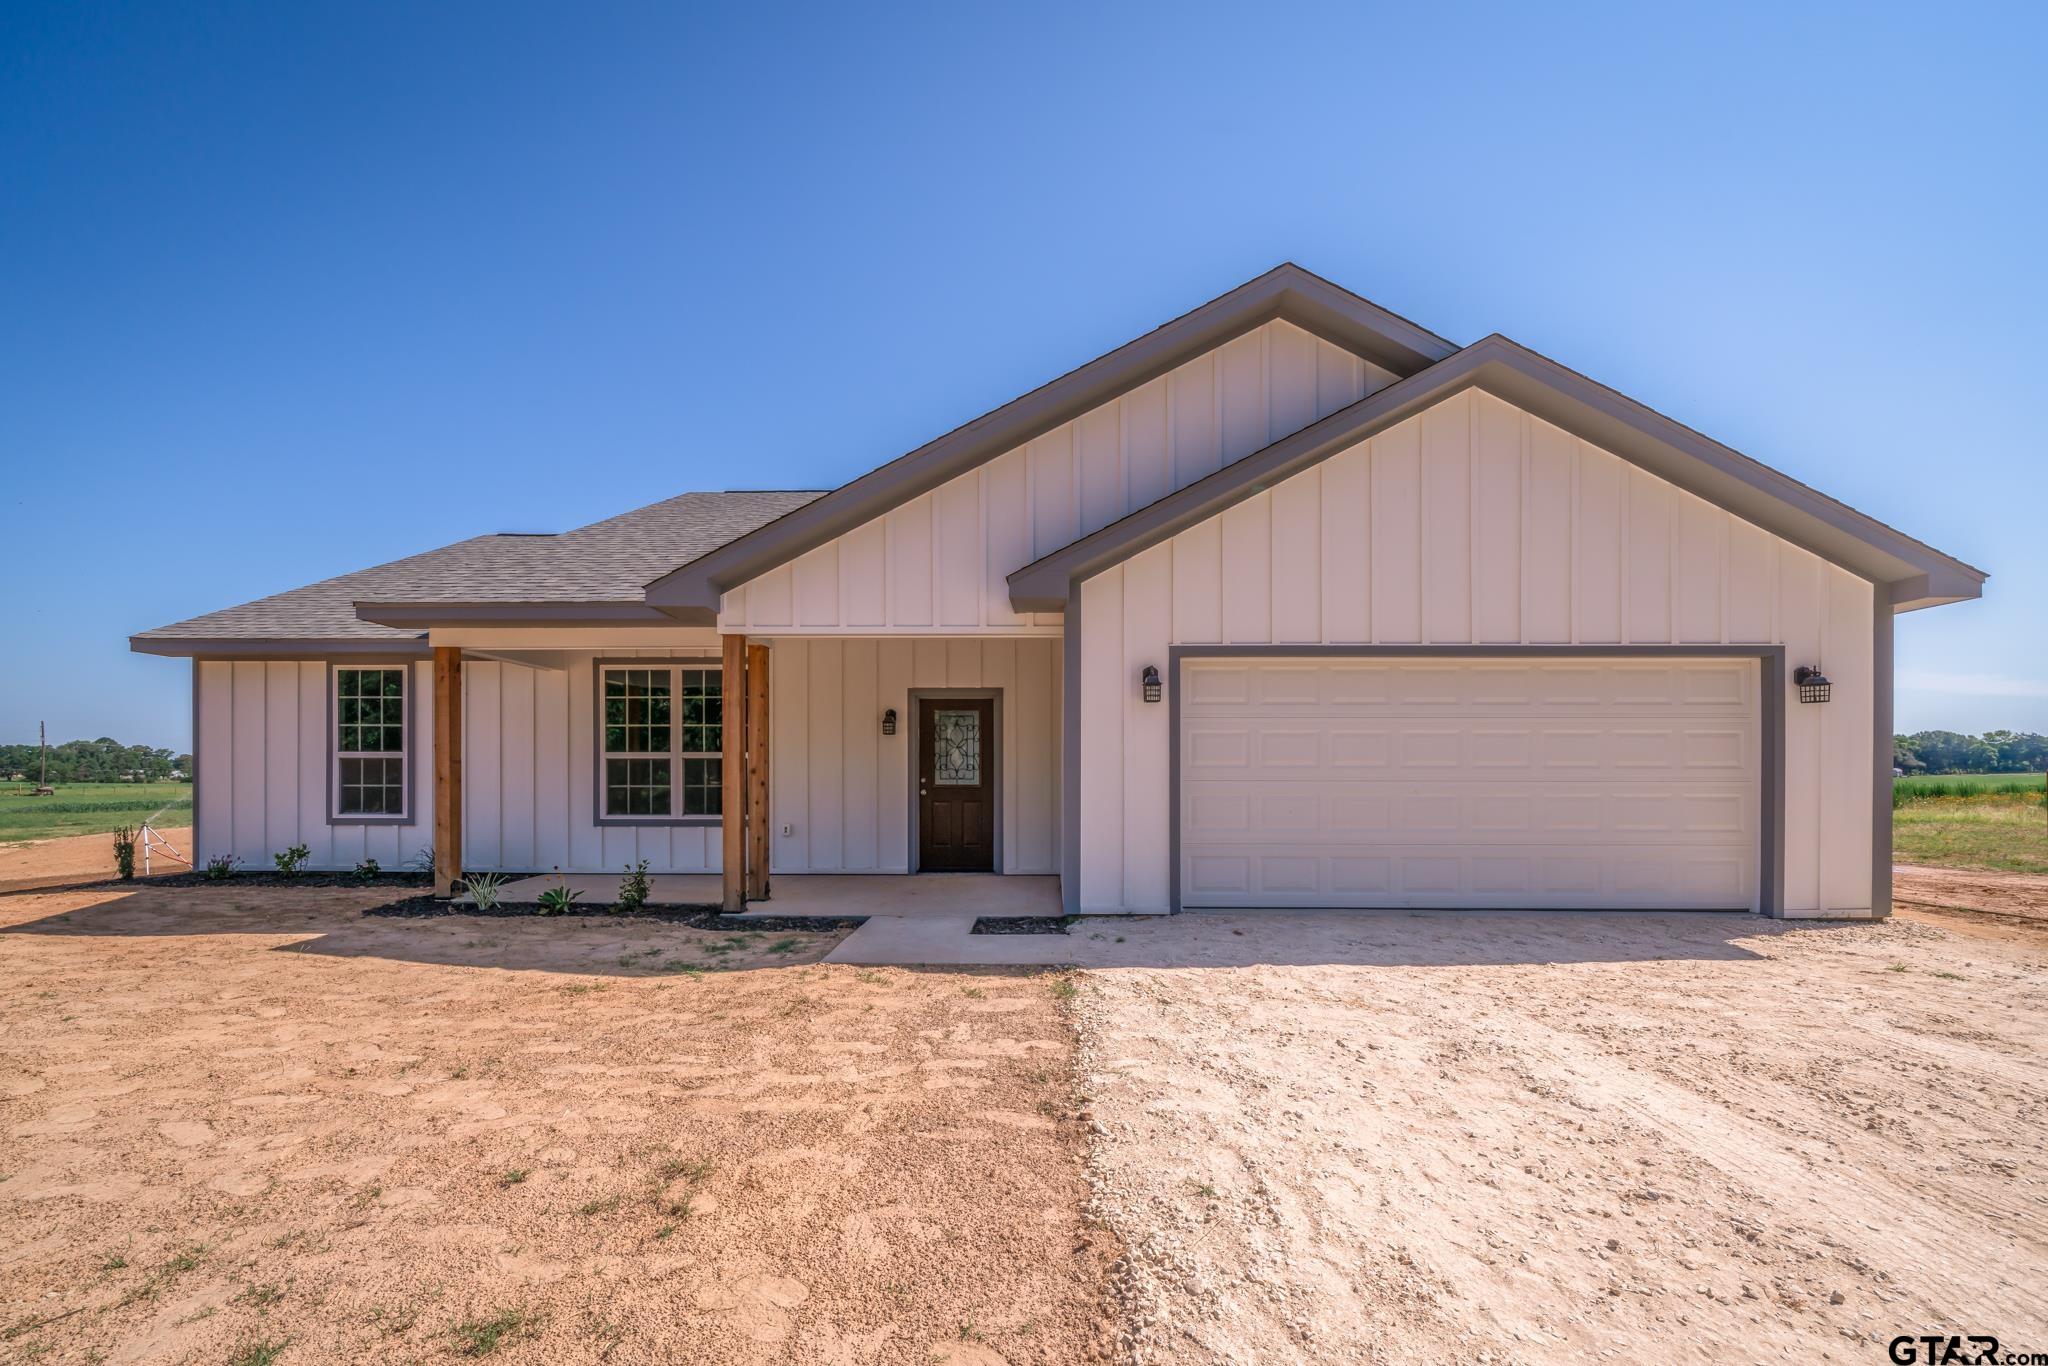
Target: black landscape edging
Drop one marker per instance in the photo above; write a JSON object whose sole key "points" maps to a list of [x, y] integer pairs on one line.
{"points": [[692, 917], [249, 880]]}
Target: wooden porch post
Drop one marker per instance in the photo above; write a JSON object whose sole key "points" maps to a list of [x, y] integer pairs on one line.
{"points": [[447, 770], [757, 772], [733, 774]]}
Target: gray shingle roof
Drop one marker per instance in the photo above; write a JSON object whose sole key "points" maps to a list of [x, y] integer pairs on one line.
{"points": [[607, 561]]}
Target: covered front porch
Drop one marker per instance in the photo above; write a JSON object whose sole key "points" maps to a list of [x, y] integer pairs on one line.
{"points": [[808, 775], [825, 895]]}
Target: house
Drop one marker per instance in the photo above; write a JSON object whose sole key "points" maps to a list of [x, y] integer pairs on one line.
{"points": [[1287, 603]]}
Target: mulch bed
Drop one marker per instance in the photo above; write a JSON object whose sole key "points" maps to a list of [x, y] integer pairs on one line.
{"points": [[1022, 924], [393, 880], [692, 917]]}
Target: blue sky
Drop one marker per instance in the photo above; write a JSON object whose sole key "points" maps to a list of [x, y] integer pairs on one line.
{"points": [[290, 290]]}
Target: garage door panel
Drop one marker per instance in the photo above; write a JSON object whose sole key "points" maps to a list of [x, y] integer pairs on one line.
{"points": [[1542, 783], [1536, 689], [1477, 877]]}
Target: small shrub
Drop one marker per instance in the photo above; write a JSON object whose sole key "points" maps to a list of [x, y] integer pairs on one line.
{"points": [[292, 861], [422, 860], [484, 888], [367, 869], [633, 888], [557, 899], [221, 867], [124, 853]]}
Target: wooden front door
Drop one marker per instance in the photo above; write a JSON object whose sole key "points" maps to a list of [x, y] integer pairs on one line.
{"points": [[956, 785]]}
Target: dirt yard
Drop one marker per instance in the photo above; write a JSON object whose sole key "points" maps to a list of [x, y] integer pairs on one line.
{"points": [[79, 858], [237, 1118], [1557, 1138]]}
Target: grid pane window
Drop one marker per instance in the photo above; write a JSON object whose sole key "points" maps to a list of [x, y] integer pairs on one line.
{"points": [[369, 742], [661, 728]]}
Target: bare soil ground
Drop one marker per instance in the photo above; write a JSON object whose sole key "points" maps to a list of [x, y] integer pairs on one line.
{"points": [[78, 858], [237, 1117], [1940, 894], [1555, 1138]]}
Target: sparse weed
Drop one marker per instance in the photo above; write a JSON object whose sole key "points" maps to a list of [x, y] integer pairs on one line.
{"points": [[481, 1337]]}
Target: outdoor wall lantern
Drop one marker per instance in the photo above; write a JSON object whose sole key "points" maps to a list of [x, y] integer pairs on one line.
{"points": [[1151, 683], [1813, 685], [889, 721]]}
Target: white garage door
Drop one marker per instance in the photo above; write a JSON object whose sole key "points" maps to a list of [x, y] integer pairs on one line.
{"points": [[1499, 783]]}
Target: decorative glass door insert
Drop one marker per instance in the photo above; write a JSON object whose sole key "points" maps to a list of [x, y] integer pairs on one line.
{"points": [[956, 742]]}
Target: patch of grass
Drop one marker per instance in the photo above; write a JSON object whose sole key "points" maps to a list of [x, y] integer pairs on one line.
{"points": [[1920, 787], [481, 1337], [515, 1176], [91, 809], [785, 946], [869, 976], [113, 1263], [697, 1172], [602, 1205], [973, 993], [259, 1352], [261, 1296], [1064, 989], [1949, 976], [1996, 832]]}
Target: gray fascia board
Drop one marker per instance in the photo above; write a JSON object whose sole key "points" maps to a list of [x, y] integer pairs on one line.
{"points": [[1749, 489], [276, 647], [423, 615], [1287, 292]]}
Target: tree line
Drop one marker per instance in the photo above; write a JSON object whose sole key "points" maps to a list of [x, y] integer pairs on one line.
{"points": [[95, 761], [1995, 751]]}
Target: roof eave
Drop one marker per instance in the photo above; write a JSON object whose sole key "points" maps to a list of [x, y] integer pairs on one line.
{"points": [[275, 647], [1286, 292], [427, 615]]}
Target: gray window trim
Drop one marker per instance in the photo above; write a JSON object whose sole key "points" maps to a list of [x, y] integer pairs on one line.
{"points": [[1771, 682], [331, 745], [598, 817], [916, 739]]}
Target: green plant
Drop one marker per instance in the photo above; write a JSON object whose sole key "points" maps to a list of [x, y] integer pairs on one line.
{"points": [[557, 899], [633, 888], [422, 860], [481, 1337], [367, 869], [258, 1352], [514, 1177], [124, 852], [221, 867], [484, 889], [292, 861]]}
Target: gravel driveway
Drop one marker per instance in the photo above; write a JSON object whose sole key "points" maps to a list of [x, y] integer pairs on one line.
{"points": [[1549, 1138]]}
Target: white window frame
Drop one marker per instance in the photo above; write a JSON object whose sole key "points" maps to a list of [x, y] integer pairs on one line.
{"points": [[335, 753], [675, 754]]}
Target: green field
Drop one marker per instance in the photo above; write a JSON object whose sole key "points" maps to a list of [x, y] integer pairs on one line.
{"points": [[1921, 786], [90, 808], [1971, 820]]}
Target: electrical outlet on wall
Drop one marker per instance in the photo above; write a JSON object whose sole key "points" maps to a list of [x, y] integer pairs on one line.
{"points": [[788, 830]]}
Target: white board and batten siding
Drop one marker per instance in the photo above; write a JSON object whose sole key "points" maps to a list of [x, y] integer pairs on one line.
{"points": [[529, 768], [840, 790], [262, 756], [1473, 523], [938, 564]]}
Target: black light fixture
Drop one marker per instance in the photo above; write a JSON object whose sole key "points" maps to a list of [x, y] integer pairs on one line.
{"points": [[1151, 683], [1813, 685], [889, 721]]}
